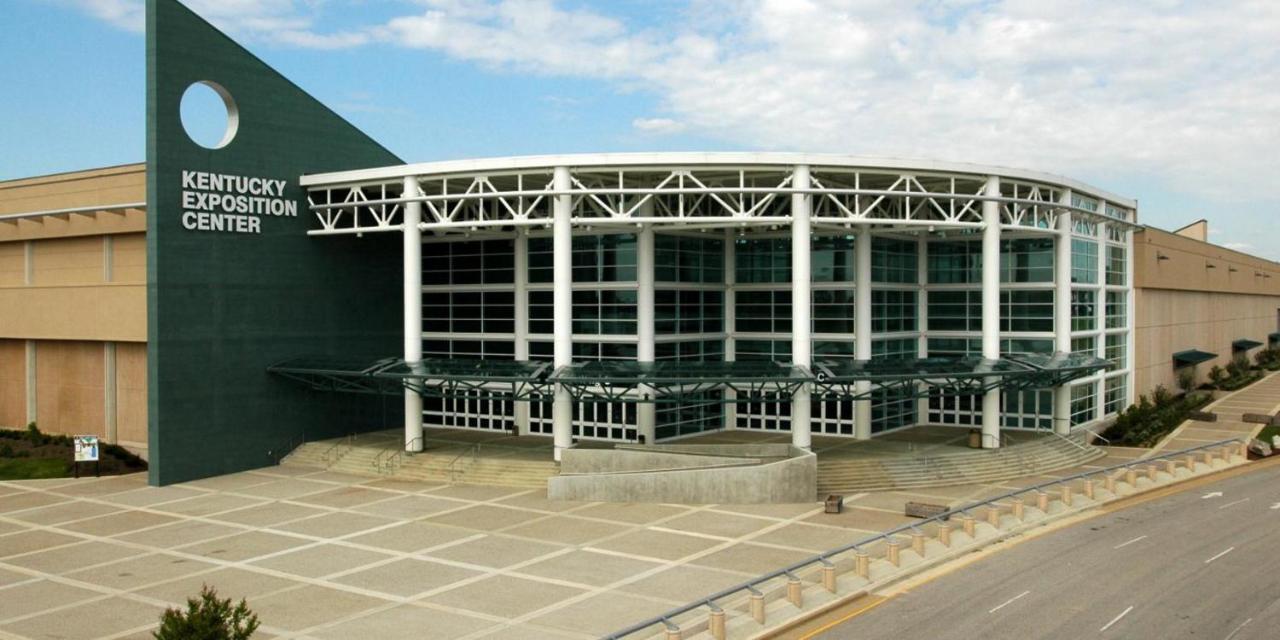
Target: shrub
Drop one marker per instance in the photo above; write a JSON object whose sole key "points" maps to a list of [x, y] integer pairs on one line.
{"points": [[1237, 367], [6, 450], [1187, 380], [1217, 375], [34, 435], [208, 618]]}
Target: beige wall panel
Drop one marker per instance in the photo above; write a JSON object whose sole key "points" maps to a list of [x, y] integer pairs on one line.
{"points": [[1170, 321], [131, 392], [129, 258], [13, 383], [113, 312], [67, 261], [1185, 266], [69, 387], [13, 264], [109, 185]]}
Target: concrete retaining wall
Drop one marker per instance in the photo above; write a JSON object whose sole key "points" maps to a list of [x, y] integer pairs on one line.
{"points": [[792, 479], [576, 461]]}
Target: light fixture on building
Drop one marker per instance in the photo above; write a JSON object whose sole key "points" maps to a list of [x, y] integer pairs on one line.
{"points": [[1161, 256]]}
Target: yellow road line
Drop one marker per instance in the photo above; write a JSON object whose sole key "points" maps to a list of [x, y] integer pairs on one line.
{"points": [[835, 623]]}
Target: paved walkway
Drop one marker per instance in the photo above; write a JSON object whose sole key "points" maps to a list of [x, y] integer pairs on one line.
{"points": [[1262, 396]]}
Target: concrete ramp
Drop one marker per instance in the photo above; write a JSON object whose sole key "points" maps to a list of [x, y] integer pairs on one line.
{"points": [[687, 474]]}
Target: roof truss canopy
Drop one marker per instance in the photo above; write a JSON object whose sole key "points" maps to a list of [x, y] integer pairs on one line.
{"points": [[1191, 357], [671, 382], [703, 190]]}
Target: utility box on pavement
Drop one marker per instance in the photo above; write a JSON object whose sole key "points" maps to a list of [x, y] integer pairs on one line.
{"points": [[835, 503], [975, 438]]}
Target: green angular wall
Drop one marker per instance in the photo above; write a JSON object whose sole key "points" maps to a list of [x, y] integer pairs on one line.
{"points": [[223, 306]]}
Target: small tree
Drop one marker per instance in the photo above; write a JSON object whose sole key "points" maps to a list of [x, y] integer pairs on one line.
{"points": [[34, 435], [208, 618], [1217, 375]]}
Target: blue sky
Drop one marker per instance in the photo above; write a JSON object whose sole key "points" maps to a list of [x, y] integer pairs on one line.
{"points": [[1145, 98]]}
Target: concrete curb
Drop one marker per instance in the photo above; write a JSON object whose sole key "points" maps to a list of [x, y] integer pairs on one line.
{"points": [[790, 602]]}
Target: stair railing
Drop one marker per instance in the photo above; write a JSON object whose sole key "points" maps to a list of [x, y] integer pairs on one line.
{"points": [[452, 469]]}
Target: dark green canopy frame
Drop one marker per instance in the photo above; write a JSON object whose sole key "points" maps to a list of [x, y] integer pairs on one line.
{"points": [[673, 382], [1191, 357], [433, 377], [680, 382], [1245, 344]]}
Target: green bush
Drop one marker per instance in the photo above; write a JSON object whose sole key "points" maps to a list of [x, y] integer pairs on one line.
{"points": [[6, 450], [34, 435], [208, 618], [1187, 379], [1143, 424], [1217, 375]]}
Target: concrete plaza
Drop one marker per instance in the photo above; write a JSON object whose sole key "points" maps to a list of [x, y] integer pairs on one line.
{"points": [[325, 555]]}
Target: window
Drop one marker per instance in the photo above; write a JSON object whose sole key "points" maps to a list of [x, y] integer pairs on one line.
{"points": [[1026, 260], [490, 349], [688, 311], [833, 310], [762, 260], [831, 259], [774, 350], [892, 409], [893, 311], [955, 311], [1115, 265], [1115, 392], [1117, 309], [1115, 350], [893, 261], [1084, 312], [954, 347], [832, 350], [1026, 345], [594, 312], [1087, 345], [763, 311], [585, 351], [599, 258], [688, 259], [895, 348], [468, 311], [1025, 310], [1083, 401], [955, 262], [1028, 409], [469, 262], [1084, 261], [690, 350]]}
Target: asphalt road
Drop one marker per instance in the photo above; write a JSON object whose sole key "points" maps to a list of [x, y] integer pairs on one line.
{"points": [[1188, 565]]}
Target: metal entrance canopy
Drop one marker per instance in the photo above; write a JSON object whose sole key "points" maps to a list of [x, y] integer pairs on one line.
{"points": [[432, 377], [922, 377], [675, 382]]}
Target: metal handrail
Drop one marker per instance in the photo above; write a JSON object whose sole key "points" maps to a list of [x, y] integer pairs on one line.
{"points": [[1097, 435], [474, 450], [347, 440], [750, 585], [380, 463], [1072, 441]]}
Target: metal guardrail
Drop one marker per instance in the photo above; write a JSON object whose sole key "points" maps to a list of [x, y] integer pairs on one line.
{"points": [[824, 559], [346, 441], [388, 459], [453, 472]]}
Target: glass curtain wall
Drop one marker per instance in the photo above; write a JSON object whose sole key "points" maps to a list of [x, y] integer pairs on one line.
{"points": [[954, 313]]}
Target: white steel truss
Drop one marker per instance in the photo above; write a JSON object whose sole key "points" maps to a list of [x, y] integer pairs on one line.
{"points": [[691, 197]]}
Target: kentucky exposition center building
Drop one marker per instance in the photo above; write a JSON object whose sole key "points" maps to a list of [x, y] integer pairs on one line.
{"points": [[619, 297]]}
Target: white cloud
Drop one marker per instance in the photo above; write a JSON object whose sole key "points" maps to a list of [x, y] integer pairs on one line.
{"points": [[126, 14], [659, 126], [1186, 92]]}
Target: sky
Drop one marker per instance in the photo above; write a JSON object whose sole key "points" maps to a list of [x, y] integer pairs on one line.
{"points": [[1174, 103]]}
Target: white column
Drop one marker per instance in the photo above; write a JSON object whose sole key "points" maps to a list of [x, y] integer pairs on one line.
{"points": [[922, 317], [1062, 312], [562, 270], [801, 299], [730, 315], [991, 308], [1130, 318], [520, 292], [412, 311], [31, 382], [646, 412], [862, 327], [109, 391], [1100, 313]]}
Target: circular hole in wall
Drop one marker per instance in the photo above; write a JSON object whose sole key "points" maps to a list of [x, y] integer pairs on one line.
{"points": [[209, 114]]}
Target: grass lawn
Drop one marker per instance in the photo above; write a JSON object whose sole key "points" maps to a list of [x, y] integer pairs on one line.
{"points": [[1267, 432], [32, 468]]}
